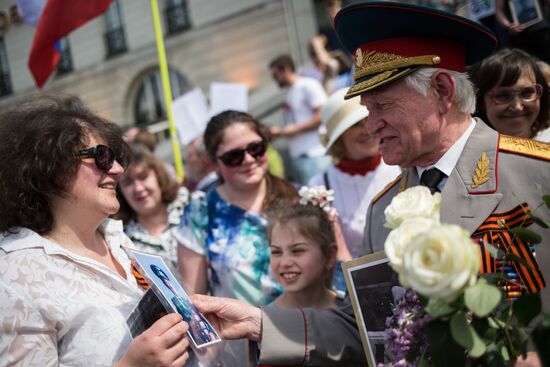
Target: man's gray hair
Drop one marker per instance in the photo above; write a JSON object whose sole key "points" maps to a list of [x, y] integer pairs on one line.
{"points": [[465, 97]]}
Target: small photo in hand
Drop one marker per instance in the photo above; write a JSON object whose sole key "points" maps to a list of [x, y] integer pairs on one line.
{"points": [[175, 299]]}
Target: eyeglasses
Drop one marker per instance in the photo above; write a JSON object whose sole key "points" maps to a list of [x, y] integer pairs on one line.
{"points": [[507, 95], [103, 155], [235, 157]]}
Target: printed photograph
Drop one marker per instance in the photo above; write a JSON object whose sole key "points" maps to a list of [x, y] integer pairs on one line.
{"points": [[370, 280], [172, 295], [525, 12]]}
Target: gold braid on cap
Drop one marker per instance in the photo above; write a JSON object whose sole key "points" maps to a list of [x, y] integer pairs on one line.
{"points": [[372, 62]]}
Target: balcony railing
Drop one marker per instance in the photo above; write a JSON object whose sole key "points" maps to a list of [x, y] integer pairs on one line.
{"points": [[177, 17], [116, 41]]}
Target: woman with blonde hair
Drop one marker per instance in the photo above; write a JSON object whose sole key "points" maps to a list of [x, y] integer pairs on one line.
{"points": [[357, 173], [151, 204]]}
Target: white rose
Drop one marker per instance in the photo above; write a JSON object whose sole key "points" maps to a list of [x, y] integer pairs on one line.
{"points": [[416, 201], [400, 237], [440, 263]]}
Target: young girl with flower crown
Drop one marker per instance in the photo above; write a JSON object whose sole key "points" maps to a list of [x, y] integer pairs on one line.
{"points": [[303, 251]]}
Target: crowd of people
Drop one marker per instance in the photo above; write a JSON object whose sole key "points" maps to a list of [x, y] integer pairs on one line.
{"points": [[259, 253]]}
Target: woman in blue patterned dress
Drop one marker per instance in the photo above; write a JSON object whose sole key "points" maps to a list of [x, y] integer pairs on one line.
{"points": [[223, 233]]}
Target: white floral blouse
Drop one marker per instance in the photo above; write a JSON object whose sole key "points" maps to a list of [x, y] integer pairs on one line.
{"points": [[61, 309], [164, 245]]}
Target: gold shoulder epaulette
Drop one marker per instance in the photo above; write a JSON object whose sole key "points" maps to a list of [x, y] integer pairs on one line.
{"points": [[526, 147], [386, 189]]}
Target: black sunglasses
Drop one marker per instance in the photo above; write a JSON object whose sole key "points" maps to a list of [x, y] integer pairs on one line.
{"points": [[103, 155], [235, 157]]}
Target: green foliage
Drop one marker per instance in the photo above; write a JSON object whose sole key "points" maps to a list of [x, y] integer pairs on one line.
{"points": [[482, 298], [526, 234], [495, 252], [541, 222], [481, 328], [438, 308], [466, 336]]}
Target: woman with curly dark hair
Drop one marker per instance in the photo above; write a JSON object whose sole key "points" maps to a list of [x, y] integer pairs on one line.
{"points": [[65, 281], [513, 96]]}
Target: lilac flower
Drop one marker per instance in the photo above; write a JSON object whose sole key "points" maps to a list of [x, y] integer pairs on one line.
{"points": [[404, 331]]}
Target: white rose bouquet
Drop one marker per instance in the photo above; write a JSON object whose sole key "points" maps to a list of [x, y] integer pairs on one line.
{"points": [[416, 202], [450, 315]]}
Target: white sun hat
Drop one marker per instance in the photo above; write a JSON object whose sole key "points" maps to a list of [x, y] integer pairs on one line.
{"points": [[338, 115]]}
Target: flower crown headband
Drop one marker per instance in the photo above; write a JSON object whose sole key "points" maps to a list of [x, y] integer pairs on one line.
{"points": [[317, 196]]}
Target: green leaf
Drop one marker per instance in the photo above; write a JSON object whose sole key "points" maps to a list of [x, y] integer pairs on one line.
{"points": [[539, 221], [546, 199], [466, 336], [482, 298], [526, 308], [438, 308], [504, 353], [526, 234], [496, 323], [494, 252], [494, 357]]}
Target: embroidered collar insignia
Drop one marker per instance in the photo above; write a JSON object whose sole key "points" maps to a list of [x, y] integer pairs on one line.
{"points": [[481, 174]]}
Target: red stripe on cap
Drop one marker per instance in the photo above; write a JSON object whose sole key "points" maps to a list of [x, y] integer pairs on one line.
{"points": [[452, 53]]}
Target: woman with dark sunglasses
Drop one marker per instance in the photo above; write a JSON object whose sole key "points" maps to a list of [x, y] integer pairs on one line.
{"points": [[66, 282], [226, 229], [513, 96]]}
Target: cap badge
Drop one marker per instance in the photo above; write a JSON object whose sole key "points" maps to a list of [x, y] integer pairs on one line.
{"points": [[372, 62]]}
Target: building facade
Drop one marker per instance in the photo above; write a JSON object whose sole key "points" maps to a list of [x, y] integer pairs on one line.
{"points": [[111, 62]]}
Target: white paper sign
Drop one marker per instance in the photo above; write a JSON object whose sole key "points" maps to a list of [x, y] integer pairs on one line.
{"points": [[191, 114], [228, 96]]}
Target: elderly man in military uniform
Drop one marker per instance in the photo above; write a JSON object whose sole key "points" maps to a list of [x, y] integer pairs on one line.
{"points": [[409, 72]]}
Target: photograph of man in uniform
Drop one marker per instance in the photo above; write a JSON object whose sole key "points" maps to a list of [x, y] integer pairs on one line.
{"points": [[200, 330]]}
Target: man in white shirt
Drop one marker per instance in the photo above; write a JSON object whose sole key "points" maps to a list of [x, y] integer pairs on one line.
{"points": [[302, 117]]}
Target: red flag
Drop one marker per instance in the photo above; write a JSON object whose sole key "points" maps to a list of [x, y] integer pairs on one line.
{"points": [[58, 19]]}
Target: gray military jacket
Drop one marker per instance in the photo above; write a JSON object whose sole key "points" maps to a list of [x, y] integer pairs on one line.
{"points": [[516, 165]]}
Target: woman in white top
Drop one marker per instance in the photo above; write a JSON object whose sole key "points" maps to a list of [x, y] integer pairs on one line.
{"points": [[66, 283], [357, 173]]}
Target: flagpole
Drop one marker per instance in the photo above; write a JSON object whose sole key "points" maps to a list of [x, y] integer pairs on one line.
{"points": [[163, 65]]}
